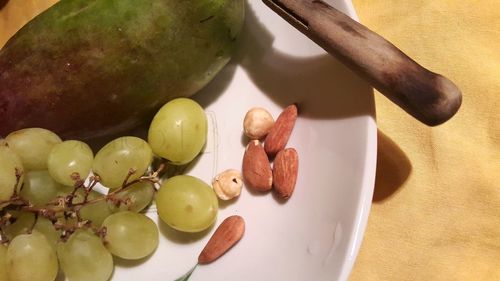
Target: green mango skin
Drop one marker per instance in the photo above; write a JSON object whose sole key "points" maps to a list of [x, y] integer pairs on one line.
{"points": [[93, 68]]}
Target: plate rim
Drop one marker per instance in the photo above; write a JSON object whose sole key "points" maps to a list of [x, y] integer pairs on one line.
{"points": [[364, 202]]}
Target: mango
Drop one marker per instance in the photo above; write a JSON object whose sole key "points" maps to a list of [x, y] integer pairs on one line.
{"points": [[91, 68]]}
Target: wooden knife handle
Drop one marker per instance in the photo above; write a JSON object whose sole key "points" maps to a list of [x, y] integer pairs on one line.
{"points": [[428, 96]]}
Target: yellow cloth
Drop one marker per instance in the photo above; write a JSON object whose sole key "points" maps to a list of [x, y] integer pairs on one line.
{"points": [[16, 13], [436, 208]]}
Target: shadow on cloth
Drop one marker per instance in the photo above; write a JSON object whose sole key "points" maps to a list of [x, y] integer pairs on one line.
{"points": [[393, 168], [3, 3]]}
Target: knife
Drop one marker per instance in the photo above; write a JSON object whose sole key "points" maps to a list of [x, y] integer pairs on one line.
{"points": [[429, 97]]}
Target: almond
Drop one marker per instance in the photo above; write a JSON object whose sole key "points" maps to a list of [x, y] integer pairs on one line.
{"points": [[285, 172], [226, 236], [256, 168], [278, 137]]}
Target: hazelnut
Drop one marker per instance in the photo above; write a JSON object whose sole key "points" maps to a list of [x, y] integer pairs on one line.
{"points": [[257, 123], [228, 184]]}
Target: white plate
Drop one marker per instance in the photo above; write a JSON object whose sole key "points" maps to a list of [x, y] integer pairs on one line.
{"points": [[316, 234]]}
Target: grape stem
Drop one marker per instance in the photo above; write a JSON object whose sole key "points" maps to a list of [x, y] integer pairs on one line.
{"points": [[126, 184], [72, 195], [19, 173], [65, 206]]}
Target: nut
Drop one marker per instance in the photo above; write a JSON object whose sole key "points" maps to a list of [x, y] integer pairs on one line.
{"points": [[226, 236], [256, 167], [280, 133], [228, 184], [257, 123], [285, 172]]}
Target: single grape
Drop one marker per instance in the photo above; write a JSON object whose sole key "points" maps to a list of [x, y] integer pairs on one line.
{"points": [[23, 222], [69, 158], [135, 198], [3, 263], [64, 190], [131, 235], [10, 162], [45, 227], [39, 188], [187, 203], [114, 161], [33, 145], [84, 258], [31, 258], [95, 212], [178, 131]]}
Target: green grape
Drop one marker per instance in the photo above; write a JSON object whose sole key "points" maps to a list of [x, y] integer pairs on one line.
{"points": [[64, 191], [178, 131], [3, 263], [9, 163], [96, 212], [45, 227], [69, 158], [39, 188], [33, 145], [31, 258], [114, 161], [84, 258], [187, 203], [23, 223], [130, 235], [135, 197]]}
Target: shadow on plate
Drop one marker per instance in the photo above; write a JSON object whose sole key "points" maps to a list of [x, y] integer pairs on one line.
{"points": [[226, 203], [322, 86]]}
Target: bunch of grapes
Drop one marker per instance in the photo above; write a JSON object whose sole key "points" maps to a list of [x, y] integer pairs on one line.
{"points": [[52, 219]]}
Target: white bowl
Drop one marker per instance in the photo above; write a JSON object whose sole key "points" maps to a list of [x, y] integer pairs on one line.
{"points": [[316, 234]]}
